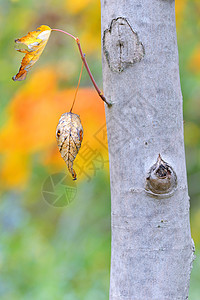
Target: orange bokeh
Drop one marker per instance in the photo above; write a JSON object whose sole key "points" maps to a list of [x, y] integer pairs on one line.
{"points": [[33, 115]]}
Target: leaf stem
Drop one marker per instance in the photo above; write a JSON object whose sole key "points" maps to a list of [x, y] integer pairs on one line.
{"points": [[77, 87], [100, 93], [65, 32]]}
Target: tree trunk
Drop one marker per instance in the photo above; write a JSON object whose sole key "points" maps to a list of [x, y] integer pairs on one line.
{"points": [[152, 249]]}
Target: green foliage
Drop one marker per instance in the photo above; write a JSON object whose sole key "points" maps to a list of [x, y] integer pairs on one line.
{"points": [[55, 253], [64, 253]]}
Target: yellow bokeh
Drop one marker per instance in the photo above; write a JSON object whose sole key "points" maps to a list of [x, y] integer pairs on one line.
{"points": [[88, 14], [194, 61], [196, 227], [192, 134], [77, 6], [180, 5], [15, 169], [34, 111]]}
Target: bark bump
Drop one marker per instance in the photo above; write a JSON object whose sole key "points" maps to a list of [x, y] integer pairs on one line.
{"points": [[161, 179], [121, 45]]}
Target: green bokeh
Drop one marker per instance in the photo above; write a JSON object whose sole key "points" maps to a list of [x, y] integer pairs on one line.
{"points": [[64, 253]]}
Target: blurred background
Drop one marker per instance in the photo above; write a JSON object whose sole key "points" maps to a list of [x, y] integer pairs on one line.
{"points": [[55, 235]]}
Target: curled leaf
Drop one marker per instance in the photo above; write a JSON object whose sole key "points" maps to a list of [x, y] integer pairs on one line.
{"points": [[69, 135], [36, 42]]}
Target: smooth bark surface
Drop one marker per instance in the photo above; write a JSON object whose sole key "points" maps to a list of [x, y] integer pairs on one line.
{"points": [[152, 249]]}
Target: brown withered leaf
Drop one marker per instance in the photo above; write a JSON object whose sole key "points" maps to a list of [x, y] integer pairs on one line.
{"points": [[69, 135], [36, 42]]}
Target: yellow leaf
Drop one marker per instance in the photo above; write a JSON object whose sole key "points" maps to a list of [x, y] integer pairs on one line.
{"points": [[36, 42]]}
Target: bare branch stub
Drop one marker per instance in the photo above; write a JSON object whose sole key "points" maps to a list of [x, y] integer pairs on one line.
{"points": [[161, 180]]}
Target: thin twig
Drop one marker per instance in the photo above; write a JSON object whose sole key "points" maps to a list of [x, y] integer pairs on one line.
{"points": [[65, 32], [100, 93], [77, 87]]}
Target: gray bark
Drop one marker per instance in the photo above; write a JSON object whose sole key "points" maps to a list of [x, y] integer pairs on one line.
{"points": [[152, 249]]}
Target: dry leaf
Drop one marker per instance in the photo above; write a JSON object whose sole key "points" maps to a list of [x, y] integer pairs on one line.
{"points": [[69, 135], [36, 42]]}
